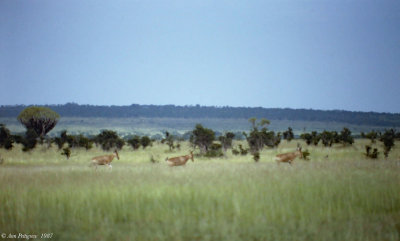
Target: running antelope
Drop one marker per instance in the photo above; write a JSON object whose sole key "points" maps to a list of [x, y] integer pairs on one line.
{"points": [[289, 157], [180, 160], [104, 160]]}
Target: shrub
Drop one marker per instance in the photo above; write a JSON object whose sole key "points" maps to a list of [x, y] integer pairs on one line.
{"points": [[134, 142], [109, 140], [6, 140]]}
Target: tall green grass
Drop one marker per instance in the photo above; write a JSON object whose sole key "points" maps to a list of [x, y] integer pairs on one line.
{"points": [[210, 199]]}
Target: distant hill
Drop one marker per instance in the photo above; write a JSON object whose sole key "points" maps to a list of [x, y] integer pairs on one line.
{"points": [[172, 111]]}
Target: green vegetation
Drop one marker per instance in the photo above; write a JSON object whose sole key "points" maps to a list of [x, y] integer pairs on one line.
{"points": [[337, 192], [340, 197], [38, 118]]}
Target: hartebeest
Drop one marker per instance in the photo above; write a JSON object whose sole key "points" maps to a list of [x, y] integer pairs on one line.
{"points": [[289, 157], [104, 160], [180, 160]]}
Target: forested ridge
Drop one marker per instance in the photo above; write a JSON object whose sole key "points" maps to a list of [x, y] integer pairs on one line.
{"points": [[172, 111]]}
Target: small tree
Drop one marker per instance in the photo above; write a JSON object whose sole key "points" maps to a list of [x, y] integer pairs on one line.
{"points": [[40, 119], [315, 138], [307, 137], [202, 137], [326, 138], [372, 136], [226, 140], [374, 154], [258, 138], [288, 135], [134, 142], [66, 152], [30, 140], [388, 141], [6, 140], [169, 140], [345, 137], [145, 141], [109, 140]]}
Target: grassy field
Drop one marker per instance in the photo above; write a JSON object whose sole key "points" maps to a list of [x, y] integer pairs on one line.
{"points": [[337, 195]]}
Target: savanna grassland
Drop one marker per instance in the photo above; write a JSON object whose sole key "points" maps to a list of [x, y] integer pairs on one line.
{"points": [[337, 195]]}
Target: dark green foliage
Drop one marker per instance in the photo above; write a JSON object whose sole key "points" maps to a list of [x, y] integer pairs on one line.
{"points": [[145, 141], [226, 140], [306, 154], [243, 151], [202, 137], [256, 156], [40, 119], [134, 142], [257, 139], [79, 141], [327, 138], [6, 139], [288, 135], [345, 137], [30, 140], [374, 154], [315, 138], [215, 150], [109, 140], [60, 141], [388, 138], [307, 137], [66, 152]]}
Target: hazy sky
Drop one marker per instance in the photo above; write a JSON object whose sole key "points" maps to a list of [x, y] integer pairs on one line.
{"points": [[320, 54]]}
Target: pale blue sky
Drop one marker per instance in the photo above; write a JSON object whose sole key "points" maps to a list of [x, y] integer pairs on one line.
{"points": [[320, 54]]}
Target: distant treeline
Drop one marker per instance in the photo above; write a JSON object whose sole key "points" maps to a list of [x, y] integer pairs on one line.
{"points": [[172, 111]]}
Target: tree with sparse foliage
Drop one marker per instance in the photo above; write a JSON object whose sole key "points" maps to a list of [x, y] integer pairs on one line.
{"points": [[257, 138], [202, 137], [40, 119], [345, 137], [372, 136], [226, 140], [169, 140]]}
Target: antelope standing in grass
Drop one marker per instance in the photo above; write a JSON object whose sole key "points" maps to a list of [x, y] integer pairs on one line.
{"points": [[289, 157], [180, 160], [104, 160]]}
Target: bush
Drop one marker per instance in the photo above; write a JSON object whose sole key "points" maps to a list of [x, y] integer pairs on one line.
{"points": [[214, 151], [66, 152], [30, 140], [374, 154], [134, 142], [256, 156], [109, 140], [388, 141], [6, 140]]}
